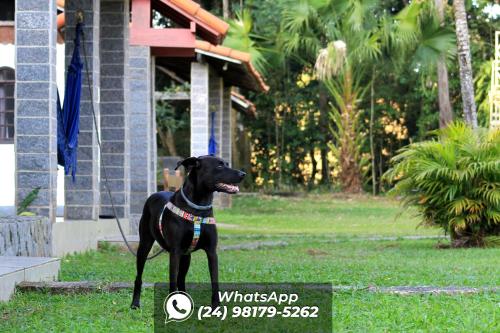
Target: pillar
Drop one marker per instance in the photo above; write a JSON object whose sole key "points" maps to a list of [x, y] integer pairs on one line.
{"points": [[153, 132], [226, 138], [82, 196], [35, 104], [199, 108], [226, 145], [114, 21], [215, 89], [141, 131]]}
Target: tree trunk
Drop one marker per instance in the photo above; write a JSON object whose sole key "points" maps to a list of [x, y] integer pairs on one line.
{"points": [[464, 61], [445, 110], [168, 141], [372, 144], [323, 125], [225, 9], [314, 167], [349, 151]]}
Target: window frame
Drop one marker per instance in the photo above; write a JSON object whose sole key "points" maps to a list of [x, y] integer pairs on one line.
{"points": [[5, 112]]}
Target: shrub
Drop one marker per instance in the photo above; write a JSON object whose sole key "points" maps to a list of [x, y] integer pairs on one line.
{"points": [[454, 181]]}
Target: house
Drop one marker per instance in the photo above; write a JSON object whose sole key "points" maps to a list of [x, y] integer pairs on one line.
{"points": [[121, 51]]}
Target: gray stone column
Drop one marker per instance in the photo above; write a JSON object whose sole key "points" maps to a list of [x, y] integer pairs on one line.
{"points": [[114, 22], [35, 105], [216, 86], [153, 144], [82, 196], [226, 145], [199, 108], [141, 131]]}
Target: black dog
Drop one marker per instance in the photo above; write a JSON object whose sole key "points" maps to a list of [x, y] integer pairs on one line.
{"points": [[162, 222]]}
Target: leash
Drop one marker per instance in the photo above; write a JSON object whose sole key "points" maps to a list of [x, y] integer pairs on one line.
{"points": [[106, 184]]}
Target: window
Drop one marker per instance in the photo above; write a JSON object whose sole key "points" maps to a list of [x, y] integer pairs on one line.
{"points": [[7, 10], [7, 81]]}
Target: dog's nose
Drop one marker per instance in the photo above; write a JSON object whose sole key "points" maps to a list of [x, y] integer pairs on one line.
{"points": [[242, 174]]}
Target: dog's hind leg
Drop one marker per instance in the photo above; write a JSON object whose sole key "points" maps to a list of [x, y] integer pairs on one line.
{"points": [[183, 269], [146, 242], [213, 267]]}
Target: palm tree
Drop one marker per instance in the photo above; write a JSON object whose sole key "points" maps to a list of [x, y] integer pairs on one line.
{"points": [[362, 34], [240, 37], [445, 110], [464, 61], [347, 92]]}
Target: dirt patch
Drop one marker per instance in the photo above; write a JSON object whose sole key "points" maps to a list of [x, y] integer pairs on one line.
{"points": [[388, 246], [316, 252]]}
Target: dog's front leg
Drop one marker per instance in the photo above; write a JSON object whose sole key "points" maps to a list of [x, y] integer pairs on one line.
{"points": [[213, 267], [175, 257], [183, 270]]}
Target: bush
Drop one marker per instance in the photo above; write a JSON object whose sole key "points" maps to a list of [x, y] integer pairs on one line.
{"points": [[454, 182]]}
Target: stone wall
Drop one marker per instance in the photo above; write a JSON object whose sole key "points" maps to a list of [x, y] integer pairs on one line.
{"points": [[114, 21], [29, 236], [142, 132], [35, 104]]}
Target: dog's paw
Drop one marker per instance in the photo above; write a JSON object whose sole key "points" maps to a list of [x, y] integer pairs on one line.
{"points": [[135, 305]]}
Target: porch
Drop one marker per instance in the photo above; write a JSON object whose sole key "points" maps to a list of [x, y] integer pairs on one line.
{"points": [[121, 56]]}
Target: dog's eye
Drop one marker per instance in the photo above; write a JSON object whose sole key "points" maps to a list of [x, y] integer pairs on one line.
{"points": [[220, 166]]}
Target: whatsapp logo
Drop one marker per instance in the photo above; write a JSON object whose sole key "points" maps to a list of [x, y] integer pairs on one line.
{"points": [[178, 306]]}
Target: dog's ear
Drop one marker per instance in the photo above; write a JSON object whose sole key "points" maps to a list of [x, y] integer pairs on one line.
{"points": [[189, 163]]}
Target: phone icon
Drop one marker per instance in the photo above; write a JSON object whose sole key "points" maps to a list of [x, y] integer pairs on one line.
{"points": [[178, 306], [181, 311]]}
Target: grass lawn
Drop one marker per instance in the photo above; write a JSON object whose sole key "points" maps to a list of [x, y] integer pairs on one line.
{"points": [[324, 245], [319, 214]]}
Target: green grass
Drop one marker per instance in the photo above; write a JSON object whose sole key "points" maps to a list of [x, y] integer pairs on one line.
{"points": [[381, 263], [322, 248], [319, 214]]}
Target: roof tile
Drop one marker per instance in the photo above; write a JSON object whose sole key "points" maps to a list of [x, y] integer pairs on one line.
{"points": [[234, 54], [195, 10]]}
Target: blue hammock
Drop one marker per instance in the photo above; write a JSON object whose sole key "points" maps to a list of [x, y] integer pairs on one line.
{"points": [[212, 144], [68, 117]]}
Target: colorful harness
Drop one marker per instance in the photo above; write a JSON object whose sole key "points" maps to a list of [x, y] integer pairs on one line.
{"points": [[196, 220]]}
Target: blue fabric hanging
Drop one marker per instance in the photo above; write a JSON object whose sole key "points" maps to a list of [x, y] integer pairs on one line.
{"points": [[68, 118], [212, 144]]}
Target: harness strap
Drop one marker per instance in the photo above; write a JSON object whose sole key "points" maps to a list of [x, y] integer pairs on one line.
{"points": [[196, 220]]}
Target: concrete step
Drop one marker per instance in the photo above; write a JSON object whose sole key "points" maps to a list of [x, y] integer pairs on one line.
{"points": [[14, 270], [133, 240]]}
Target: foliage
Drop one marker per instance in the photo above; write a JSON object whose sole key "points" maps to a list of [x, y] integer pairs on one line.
{"points": [[454, 182], [346, 93], [240, 37], [27, 201], [394, 44], [171, 121]]}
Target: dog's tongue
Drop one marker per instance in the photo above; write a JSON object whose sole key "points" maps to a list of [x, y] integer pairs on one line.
{"points": [[228, 187]]}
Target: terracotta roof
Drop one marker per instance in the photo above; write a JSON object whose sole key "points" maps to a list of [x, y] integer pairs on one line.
{"points": [[61, 21], [249, 109], [234, 54], [195, 10]]}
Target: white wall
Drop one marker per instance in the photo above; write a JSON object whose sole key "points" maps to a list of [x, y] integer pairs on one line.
{"points": [[7, 156]]}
